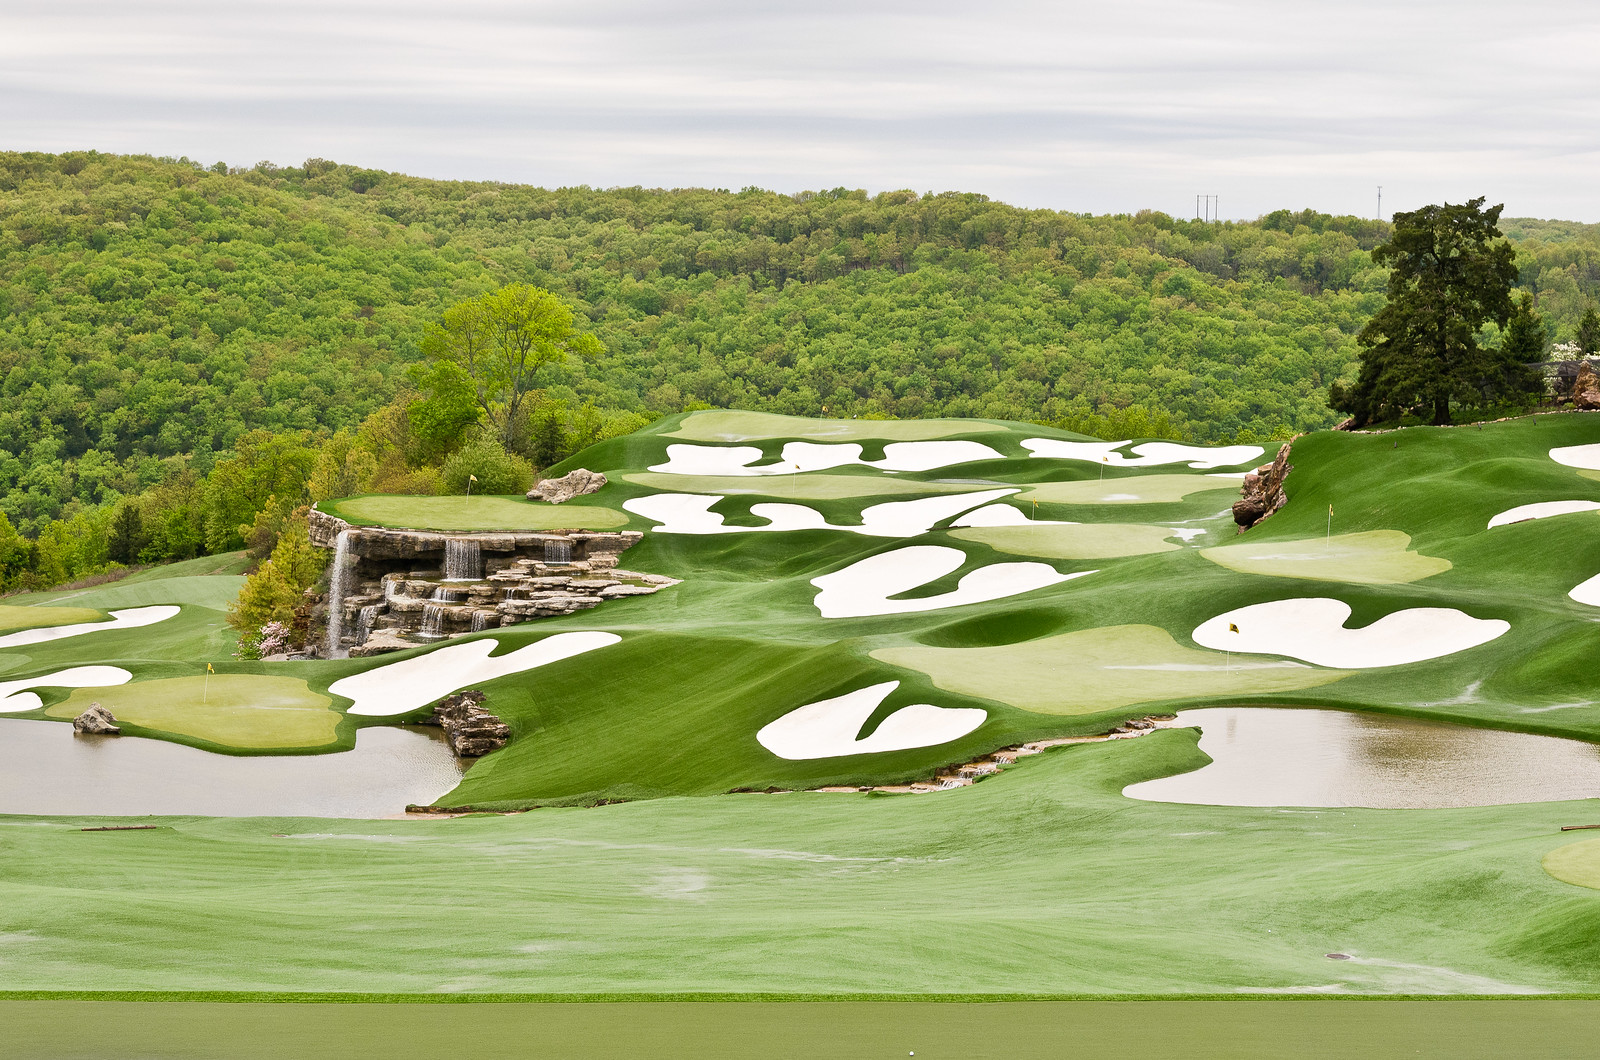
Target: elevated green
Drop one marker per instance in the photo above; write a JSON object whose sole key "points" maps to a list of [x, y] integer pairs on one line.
{"points": [[233, 711], [1373, 557], [476, 513]]}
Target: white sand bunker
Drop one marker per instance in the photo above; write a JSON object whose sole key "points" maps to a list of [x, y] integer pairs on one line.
{"points": [[813, 456], [13, 700], [412, 683], [864, 588], [688, 513], [131, 618], [1312, 628], [1146, 454], [1587, 592], [1586, 457], [829, 727], [1543, 510]]}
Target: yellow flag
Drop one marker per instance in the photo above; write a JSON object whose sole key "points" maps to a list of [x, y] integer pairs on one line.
{"points": [[473, 478], [1232, 628], [209, 670]]}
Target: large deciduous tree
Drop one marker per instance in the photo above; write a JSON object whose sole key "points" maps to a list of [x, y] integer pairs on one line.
{"points": [[501, 340], [1449, 275]]}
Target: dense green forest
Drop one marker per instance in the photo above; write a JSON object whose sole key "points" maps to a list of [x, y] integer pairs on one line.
{"points": [[157, 318]]}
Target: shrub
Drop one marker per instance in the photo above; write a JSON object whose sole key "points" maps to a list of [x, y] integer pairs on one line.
{"points": [[497, 471]]}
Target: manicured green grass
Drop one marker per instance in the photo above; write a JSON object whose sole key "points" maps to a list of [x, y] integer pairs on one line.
{"points": [[819, 486], [731, 1030], [1374, 557], [1126, 489], [475, 513], [236, 711], [733, 425], [13, 618], [1073, 540], [1577, 863]]}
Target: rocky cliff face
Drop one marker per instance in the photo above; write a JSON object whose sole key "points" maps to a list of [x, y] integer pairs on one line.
{"points": [[1586, 388], [471, 730], [1262, 492], [572, 484]]}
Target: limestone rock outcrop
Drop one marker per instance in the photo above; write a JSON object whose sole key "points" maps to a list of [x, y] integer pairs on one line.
{"points": [[1262, 492], [471, 730], [96, 721], [572, 484], [1586, 387]]}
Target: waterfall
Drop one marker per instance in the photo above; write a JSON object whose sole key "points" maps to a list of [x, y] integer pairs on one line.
{"points": [[463, 560], [442, 595], [390, 587], [508, 593], [557, 552], [480, 620], [364, 623], [432, 621], [334, 649]]}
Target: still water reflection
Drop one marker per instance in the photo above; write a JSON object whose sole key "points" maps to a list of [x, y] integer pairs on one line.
{"points": [[46, 769], [1277, 756]]}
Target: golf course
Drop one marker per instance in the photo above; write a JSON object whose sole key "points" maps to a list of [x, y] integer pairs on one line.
{"points": [[874, 744]]}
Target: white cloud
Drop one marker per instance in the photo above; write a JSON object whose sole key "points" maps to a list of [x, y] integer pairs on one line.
{"points": [[1071, 105]]}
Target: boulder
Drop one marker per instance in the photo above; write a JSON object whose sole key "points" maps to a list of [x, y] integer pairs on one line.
{"points": [[96, 721], [563, 489], [1586, 387], [1262, 492], [471, 730], [379, 642]]}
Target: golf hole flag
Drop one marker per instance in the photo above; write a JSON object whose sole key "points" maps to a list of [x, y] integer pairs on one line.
{"points": [[1232, 628], [209, 670]]}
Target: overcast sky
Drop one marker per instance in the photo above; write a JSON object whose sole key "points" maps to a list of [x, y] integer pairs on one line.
{"points": [[1081, 106]]}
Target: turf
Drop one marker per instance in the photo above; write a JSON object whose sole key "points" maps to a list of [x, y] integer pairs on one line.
{"points": [[1017, 1030], [234, 711], [476, 513], [813, 487], [14, 618], [1373, 557], [1576, 863], [734, 425], [1072, 540], [1126, 489]]}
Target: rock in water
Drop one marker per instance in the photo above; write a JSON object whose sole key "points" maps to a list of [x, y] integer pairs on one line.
{"points": [[1262, 491], [96, 721], [563, 489], [1586, 388], [471, 730]]}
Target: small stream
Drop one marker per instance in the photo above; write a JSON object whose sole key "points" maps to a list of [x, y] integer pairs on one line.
{"points": [[1280, 756], [47, 769]]}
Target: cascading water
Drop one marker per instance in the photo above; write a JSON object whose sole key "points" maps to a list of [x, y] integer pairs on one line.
{"points": [[463, 560], [391, 586], [364, 623], [557, 553], [432, 622], [442, 595], [333, 648], [480, 620]]}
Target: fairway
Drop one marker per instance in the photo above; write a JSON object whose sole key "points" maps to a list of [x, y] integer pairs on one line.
{"points": [[242, 711], [734, 425], [1143, 489], [813, 487], [1374, 557], [1072, 540], [804, 1030], [12, 618], [472, 513]]}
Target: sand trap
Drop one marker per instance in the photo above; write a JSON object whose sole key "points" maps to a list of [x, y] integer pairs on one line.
{"points": [[131, 618], [1372, 557], [800, 457], [1312, 628], [1094, 670], [1587, 592], [1147, 454], [1543, 510], [1581, 456], [864, 587], [13, 700], [829, 728], [404, 686], [686, 513]]}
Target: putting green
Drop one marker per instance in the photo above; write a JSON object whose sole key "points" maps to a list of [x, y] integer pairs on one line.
{"points": [[1072, 540], [247, 711], [1576, 863], [1100, 669], [477, 513], [1373, 557], [812, 487], [734, 425], [13, 618], [1137, 489]]}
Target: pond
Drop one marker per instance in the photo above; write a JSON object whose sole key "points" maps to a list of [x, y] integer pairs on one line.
{"points": [[1279, 756], [47, 769]]}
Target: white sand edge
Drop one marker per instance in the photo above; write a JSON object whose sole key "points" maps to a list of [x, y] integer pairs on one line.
{"points": [[1312, 629], [829, 728], [13, 700], [129, 618]]}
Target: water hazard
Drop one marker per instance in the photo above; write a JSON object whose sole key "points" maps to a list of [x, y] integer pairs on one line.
{"points": [[46, 769], [1278, 756]]}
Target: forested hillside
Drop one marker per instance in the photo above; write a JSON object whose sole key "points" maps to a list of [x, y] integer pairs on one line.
{"points": [[152, 312]]}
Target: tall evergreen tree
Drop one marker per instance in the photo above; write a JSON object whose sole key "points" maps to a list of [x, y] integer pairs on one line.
{"points": [[1589, 333], [1448, 276]]}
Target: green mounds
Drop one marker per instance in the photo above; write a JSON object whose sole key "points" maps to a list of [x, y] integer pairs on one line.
{"points": [[244, 711], [1372, 557], [1095, 670], [475, 513], [816, 486], [1134, 489], [1072, 540], [15, 618], [1576, 863], [734, 425]]}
